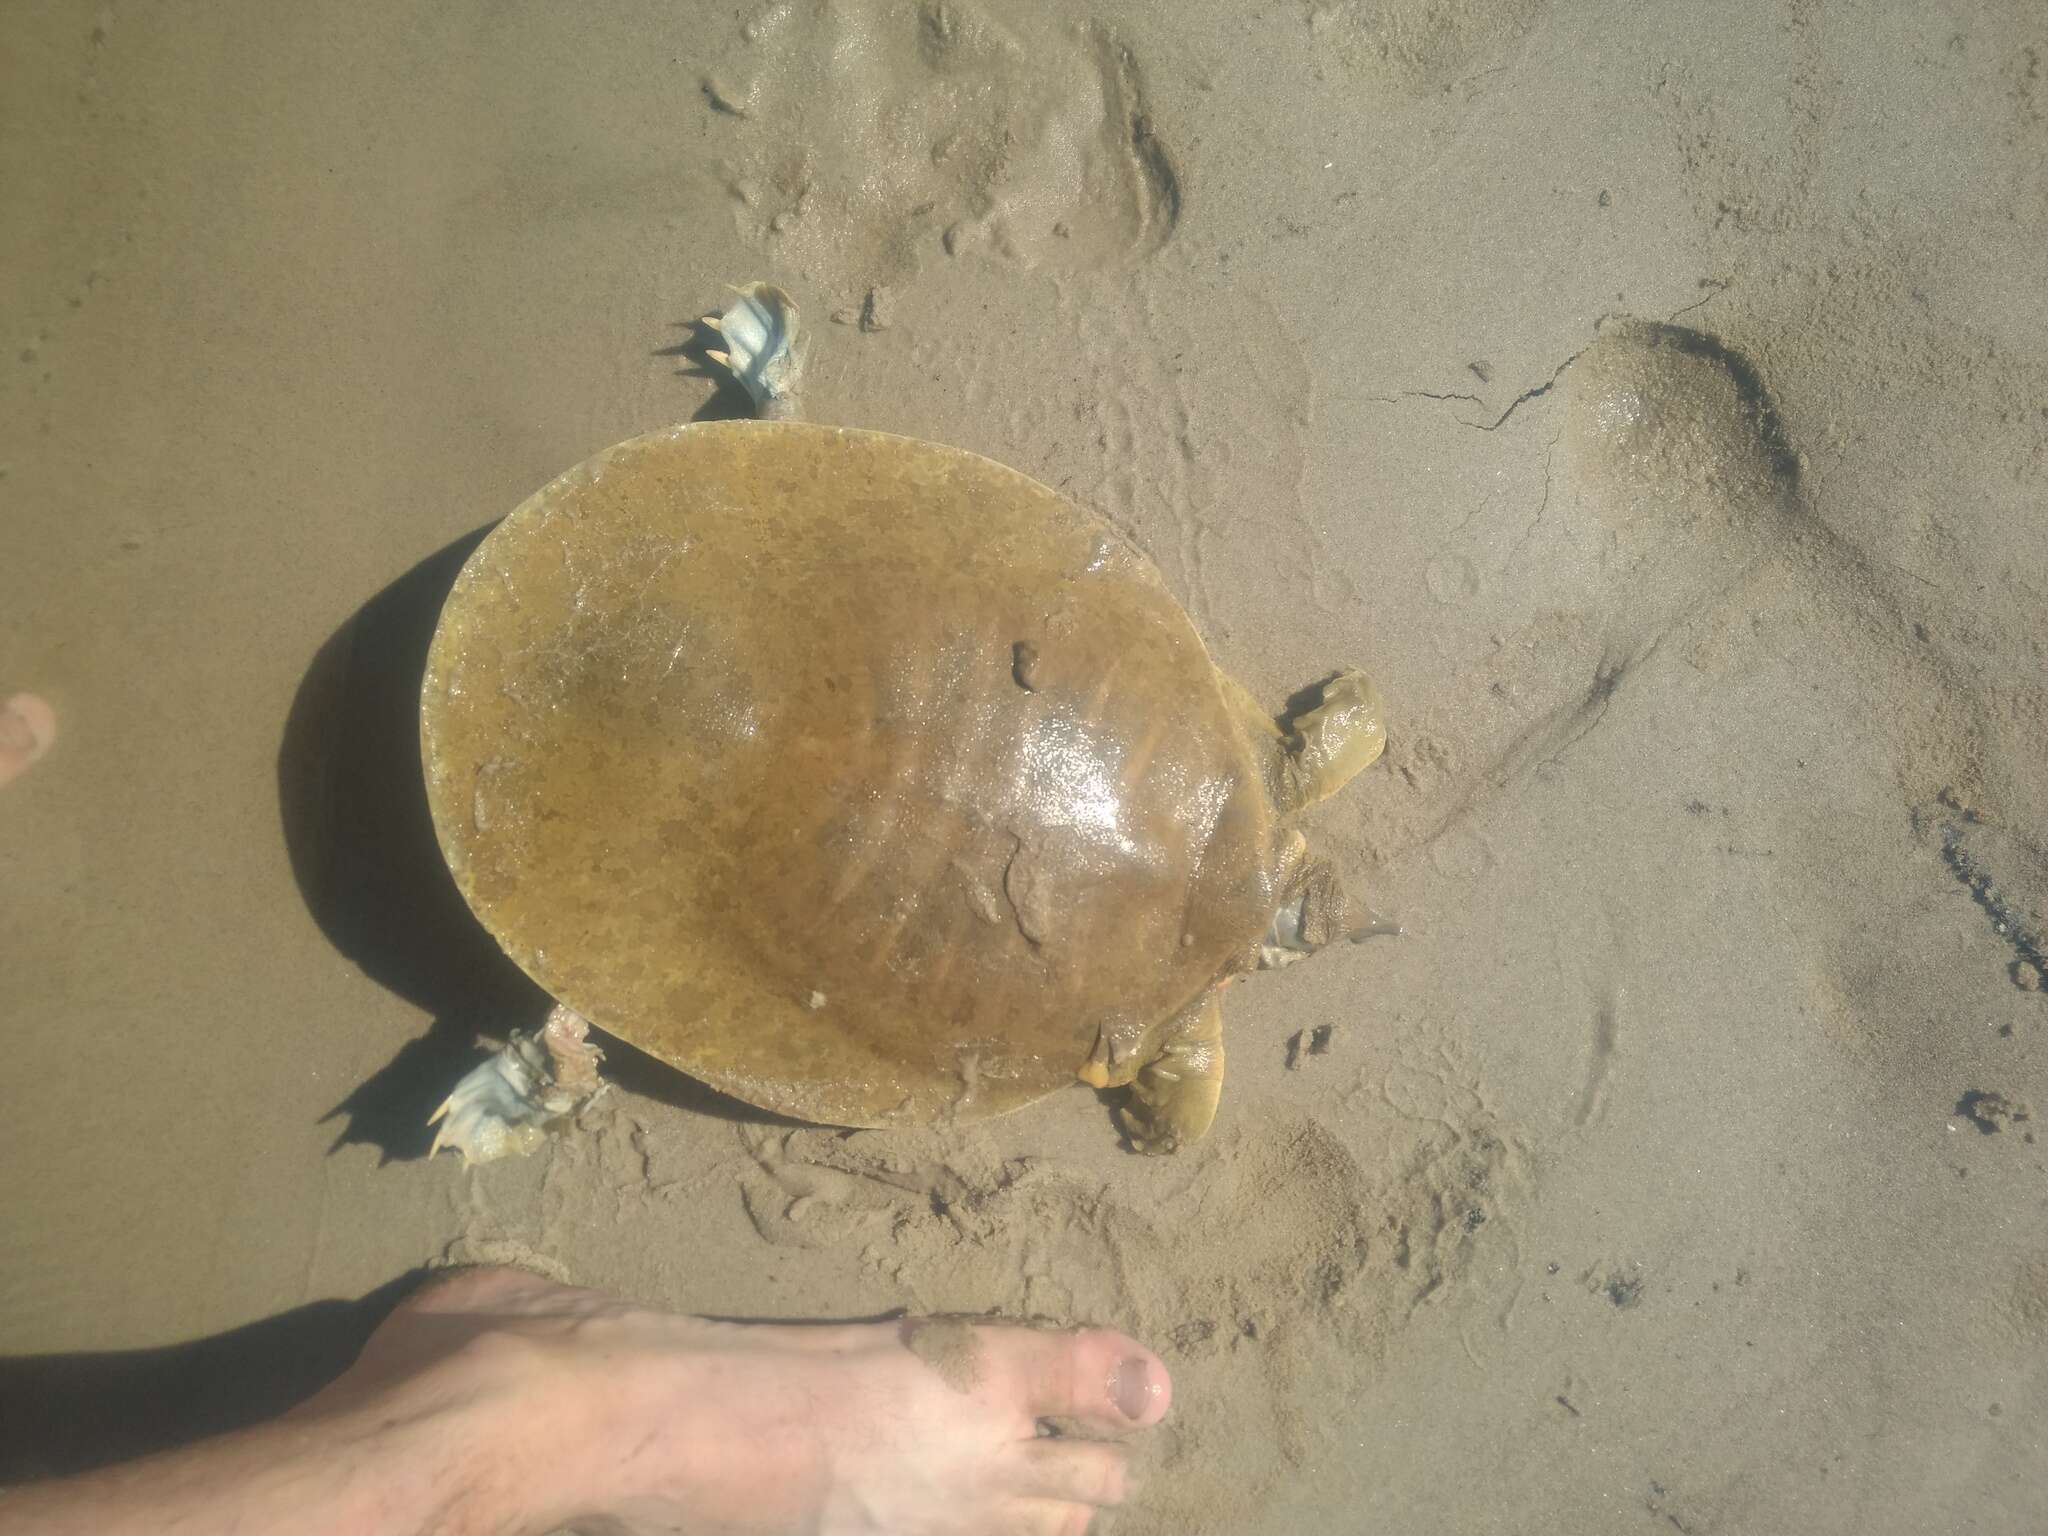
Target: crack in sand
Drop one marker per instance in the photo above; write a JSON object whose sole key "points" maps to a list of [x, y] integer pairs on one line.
{"points": [[1541, 507], [1528, 394]]}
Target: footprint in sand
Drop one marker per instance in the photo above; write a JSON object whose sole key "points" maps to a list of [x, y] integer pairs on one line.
{"points": [[861, 139], [1687, 542]]}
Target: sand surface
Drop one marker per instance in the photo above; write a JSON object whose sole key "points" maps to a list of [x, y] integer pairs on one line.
{"points": [[1653, 396]]}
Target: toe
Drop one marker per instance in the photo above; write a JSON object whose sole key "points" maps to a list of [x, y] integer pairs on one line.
{"points": [[1087, 1472], [28, 728], [1095, 1375]]}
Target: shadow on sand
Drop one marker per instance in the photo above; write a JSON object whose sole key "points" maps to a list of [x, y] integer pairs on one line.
{"points": [[354, 809], [70, 1413], [363, 848], [354, 805]]}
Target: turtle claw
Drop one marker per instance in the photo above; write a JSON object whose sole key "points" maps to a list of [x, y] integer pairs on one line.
{"points": [[1173, 1096], [1109, 1065], [507, 1106], [764, 347], [1143, 1139], [488, 1116]]}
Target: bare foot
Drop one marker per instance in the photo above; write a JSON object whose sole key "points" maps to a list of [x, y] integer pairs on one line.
{"points": [[651, 1422], [28, 729]]}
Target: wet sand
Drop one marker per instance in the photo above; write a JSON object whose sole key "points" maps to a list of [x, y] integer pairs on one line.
{"points": [[1654, 398]]}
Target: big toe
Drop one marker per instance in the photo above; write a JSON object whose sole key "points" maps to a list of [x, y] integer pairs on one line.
{"points": [[28, 729], [1109, 1382]]}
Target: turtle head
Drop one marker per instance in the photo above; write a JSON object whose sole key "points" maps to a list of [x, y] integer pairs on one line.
{"points": [[1316, 910]]}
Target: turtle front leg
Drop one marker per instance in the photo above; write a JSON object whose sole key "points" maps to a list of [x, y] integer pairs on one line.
{"points": [[1173, 1097], [764, 347], [508, 1105], [1325, 747]]}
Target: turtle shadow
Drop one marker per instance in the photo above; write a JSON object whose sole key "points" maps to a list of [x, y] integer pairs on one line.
{"points": [[94, 1409], [729, 401], [627, 1066], [353, 803]]}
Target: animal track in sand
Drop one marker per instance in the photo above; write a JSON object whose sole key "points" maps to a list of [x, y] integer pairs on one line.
{"points": [[861, 138], [1688, 516], [1678, 484], [1668, 477], [1673, 442]]}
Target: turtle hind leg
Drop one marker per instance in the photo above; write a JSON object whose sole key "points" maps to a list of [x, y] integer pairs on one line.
{"points": [[507, 1106], [764, 347], [1173, 1097]]}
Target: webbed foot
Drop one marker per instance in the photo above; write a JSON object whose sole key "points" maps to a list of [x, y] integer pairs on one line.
{"points": [[1173, 1098], [764, 347], [507, 1106], [1342, 736]]}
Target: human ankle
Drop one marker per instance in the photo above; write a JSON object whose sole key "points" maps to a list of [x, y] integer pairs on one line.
{"points": [[494, 1432]]}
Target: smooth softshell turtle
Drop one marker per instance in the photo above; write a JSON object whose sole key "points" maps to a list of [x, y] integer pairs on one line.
{"points": [[865, 779]]}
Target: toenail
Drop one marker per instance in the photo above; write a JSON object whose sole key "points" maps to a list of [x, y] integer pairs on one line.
{"points": [[1132, 1386]]}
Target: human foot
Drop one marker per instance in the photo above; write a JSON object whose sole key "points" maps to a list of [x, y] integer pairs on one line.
{"points": [[643, 1421], [28, 729]]}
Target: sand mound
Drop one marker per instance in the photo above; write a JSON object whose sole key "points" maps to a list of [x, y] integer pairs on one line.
{"points": [[1664, 425]]}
